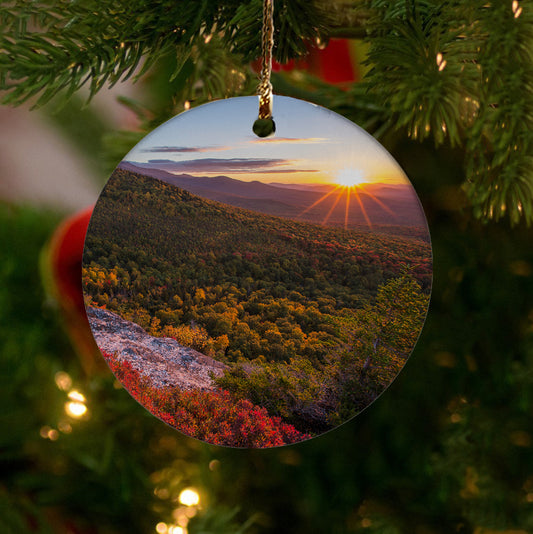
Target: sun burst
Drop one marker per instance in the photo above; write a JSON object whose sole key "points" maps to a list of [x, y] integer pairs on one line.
{"points": [[349, 177], [351, 193]]}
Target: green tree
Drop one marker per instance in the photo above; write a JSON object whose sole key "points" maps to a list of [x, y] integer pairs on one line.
{"points": [[380, 338], [392, 324]]}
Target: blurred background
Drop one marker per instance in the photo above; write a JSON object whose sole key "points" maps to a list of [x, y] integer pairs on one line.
{"points": [[447, 448]]}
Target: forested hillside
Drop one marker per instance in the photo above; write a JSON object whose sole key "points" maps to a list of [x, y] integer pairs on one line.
{"points": [[390, 208], [269, 293]]}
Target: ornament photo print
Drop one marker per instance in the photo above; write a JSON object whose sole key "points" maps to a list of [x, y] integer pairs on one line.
{"points": [[257, 292]]}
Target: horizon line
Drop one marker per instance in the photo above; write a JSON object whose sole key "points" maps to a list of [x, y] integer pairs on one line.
{"points": [[231, 176]]}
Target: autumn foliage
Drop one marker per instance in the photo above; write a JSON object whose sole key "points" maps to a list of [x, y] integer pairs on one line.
{"points": [[252, 284], [313, 322], [212, 416]]}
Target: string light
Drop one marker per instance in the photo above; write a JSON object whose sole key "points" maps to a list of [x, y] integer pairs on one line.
{"points": [[75, 395], [63, 380], [163, 528], [441, 62], [189, 497], [76, 406], [64, 427], [44, 432], [75, 409], [47, 432], [321, 45], [517, 10]]}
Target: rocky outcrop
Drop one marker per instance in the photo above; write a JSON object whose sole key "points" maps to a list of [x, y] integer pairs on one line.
{"points": [[162, 360]]}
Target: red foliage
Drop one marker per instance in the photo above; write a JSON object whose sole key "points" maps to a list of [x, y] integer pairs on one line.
{"points": [[212, 416]]}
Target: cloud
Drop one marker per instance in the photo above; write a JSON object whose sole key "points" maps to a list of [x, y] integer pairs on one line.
{"points": [[269, 140], [221, 165], [282, 171], [184, 149], [288, 140]]}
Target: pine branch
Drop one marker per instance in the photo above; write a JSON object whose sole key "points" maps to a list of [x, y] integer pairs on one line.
{"points": [[460, 72], [86, 41], [348, 18], [431, 67], [500, 177], [52, 45]]}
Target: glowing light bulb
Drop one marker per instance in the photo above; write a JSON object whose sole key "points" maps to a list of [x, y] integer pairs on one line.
{"points": [[189, 497], [517, 10], [441, 62], [75, 395], [75, 409]]}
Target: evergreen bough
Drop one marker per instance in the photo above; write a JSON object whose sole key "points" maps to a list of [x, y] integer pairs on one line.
{"points": [[458, 72]]}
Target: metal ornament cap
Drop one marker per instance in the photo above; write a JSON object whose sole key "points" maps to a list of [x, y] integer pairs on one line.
{"points": [[264, 127]]}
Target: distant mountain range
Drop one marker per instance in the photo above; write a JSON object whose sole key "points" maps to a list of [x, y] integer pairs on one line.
{"points": [[384, 204]]}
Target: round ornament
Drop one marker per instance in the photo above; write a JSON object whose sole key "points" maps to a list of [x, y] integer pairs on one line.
{"points": [[256, 292]]}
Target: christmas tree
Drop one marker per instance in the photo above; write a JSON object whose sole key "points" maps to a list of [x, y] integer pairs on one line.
{"points": [[446, 87]]}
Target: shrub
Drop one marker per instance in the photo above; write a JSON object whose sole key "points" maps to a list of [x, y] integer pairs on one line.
{"points": [[213, 416]]}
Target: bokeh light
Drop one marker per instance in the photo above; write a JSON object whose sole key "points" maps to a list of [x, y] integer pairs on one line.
{"points": [[75, 395], [189, 497], [63, 380], [75, 409]]}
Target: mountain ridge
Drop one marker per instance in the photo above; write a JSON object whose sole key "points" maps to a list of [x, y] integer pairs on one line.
{"points": [[377, 204]]}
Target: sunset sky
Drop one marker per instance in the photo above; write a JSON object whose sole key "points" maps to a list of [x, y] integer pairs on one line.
{"points": [[311, 145]]}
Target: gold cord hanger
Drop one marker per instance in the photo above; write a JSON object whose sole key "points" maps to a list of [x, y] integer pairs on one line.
{"points": [[264, 125]]}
